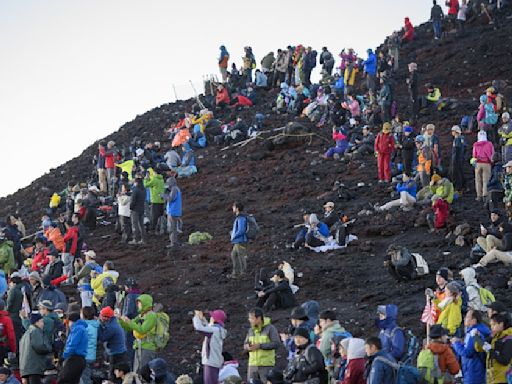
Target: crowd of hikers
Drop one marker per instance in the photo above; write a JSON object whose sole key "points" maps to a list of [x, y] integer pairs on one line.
{"points": [[66, 317]]}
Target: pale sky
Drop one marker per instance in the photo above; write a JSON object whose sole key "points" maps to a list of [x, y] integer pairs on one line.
{"points": [[73, 72]]}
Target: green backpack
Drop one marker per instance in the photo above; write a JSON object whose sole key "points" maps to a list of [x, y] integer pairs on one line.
{"points": [[486, 296], [428, 365], [161, 334]]}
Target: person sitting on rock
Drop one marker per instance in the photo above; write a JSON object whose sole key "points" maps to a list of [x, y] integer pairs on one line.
{"points": [[341, 145], [431, 98], [490, 236], [502, 252], [330, 217], [407, 192], [441, 210], [222, 97], [364, 144], [300, 238], [317, 234], [442, 188], [278, 295]]}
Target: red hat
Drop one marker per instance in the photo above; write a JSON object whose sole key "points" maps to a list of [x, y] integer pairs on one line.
{"points": [[219, 316], [107, 312]]}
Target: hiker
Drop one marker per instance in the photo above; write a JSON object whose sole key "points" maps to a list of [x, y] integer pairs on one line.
{"points": [[279, 68], [407, 192], [487, 117], [298, 319], [8, 340], [308, 363], [129, 309], [436, 17], [451, 309], [13, 234], [7, 377], [472, 362], [412, 84], [352, 105], [137, 207], [300, 238], [425, 166], [505, 133], [341, 145], [54, 235], [249, 63], [458, 159], [83, 277], [353, 350], [384, 147], [34, 350], [14, 302], [385, 98], [261, 342], [93, 325], [370, 69], [490, 235], [124, 213], [498, 348], [267, 62], [330, 326], [483, 152], [461, 17], [501, 252], [408, 31], [317, 234], [378, 369], [363, 145], [143, 327], [261, 81], [507, 186], [75, 350], [55, 267], [156, 187], [112, 336], [70, 248], [442, 188], [473, 289], [391, 335], [279, 295], [223, 63], [239, 240], [330, 217], [159, 373], [446, 359], [122, 371], [173, 198], [214, 335], [327, 61], [431, 98], [97, 278], [230, 369]]}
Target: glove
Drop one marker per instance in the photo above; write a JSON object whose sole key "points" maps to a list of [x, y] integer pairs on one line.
{"points": [[429, 292], [474, 332], [487, 347]]}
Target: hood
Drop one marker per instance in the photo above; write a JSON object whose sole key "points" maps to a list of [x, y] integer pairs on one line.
{"points": [[146, 301], [158, 367], [482, 136], [171, 182], [113, 274], [391, 316], [483, 99], [482, 329], [469, 276], [355, 349], [80, 324], [232, 363], [506, 332], [92, 323]]}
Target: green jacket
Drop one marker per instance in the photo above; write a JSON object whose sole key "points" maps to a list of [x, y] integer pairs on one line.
{"points": [[327, 335], [268, 339], [7, 262], [33, 352], [144, 325], [156, 186], [445, 190], [51, 322]]}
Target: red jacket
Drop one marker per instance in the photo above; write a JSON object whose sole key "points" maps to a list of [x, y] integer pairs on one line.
{"points": [[222, 97], [110, 157], [384, 143], [71, 240], [409, 30], [442, 211], [7, 338], [41, 258], [244, 101], [454, 7], [354, 373]]}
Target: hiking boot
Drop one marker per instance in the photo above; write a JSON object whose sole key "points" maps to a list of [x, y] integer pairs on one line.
{"points": [[233, 276], [142, 242], [133, 242]]}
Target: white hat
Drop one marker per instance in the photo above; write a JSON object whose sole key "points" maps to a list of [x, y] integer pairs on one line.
{"points": [[329, 204], [93, 188], [505, 116], [90, 254], [139, 152], [456, 128], [509, 164]]}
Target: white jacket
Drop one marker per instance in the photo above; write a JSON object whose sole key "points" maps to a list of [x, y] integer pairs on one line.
{"points": [[123, 202]]}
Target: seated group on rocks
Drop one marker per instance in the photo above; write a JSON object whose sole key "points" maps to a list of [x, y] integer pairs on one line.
{"points": [[68, 316]]}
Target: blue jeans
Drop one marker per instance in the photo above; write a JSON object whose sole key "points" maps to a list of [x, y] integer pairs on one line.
{"points": [[436, 24]]}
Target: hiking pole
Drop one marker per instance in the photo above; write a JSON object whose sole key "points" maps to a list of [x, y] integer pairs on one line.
{"points": [[197, 96], [175, 94]]}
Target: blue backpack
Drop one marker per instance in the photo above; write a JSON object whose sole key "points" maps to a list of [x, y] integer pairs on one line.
{"points": [[403, 373]]}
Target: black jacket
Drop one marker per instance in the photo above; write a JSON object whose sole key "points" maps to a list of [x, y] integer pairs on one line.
{"points": [[506, 241], [308, 364], [413, 85], [138, 199], [284, 292], [54, 270], [436, 13], [331, 219]]}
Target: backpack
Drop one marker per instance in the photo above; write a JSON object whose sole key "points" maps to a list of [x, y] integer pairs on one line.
{"points": [[252, 230], [400, 256], [486, 296], [411, 345], [403, 373], [421, 264], [161, 333], [428, 366], [464, 295]]}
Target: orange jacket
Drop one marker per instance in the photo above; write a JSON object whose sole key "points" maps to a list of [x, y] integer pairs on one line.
{"points": [[55, 236], [222, 97], [424, 164], [446, 357]]}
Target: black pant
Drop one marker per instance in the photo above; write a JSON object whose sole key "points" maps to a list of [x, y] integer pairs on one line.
{"points": [[268, 302], [312, 241], [114, 360], [407, 159], [126, 228], [33, 379], [71, 370], [157, 211], [457, 174]]}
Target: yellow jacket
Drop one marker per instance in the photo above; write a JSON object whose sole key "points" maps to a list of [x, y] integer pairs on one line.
{"points": [[496, 372], [97, 284], [451, 316]]}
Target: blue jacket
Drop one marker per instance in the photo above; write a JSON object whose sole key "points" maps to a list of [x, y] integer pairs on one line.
{"points": [[76, 343], [3, 283], [92, 339], [113, 337], [238, 234], [130, 304], [342, 144], [473, 362], [370, 65], [323, 229], [409, 187], [391, 336], [174, 207], [380, 372], [11, 380]]}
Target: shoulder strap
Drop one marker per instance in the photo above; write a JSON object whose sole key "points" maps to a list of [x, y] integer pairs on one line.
{"points": [[388, 362]]}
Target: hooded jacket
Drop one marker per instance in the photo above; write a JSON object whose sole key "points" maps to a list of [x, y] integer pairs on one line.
{"points": [[112, 336], [238, 233], [391, 335], [267, 337], [224, 57], [506, 241], [327, 335], [483, 152], [473, 289], [34, 352], [370, 65], [8, 341], [138, 199], [409, 30], [97, 284], [354, 372], [160, 372], [76, 342], [451, 314], [173, 198], [442, 211], [214, 335], [444, 190], [309, 364], [410, 187], [378, 371], [143, 326], [92, 339], [7, 262], [384, 143], [156, 187], [473, 362], [499, 357], [446, 358]]}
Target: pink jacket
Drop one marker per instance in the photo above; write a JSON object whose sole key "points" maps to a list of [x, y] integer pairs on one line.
{"points": [[338, 136], [355, 111], [483, 151]]}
